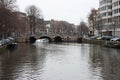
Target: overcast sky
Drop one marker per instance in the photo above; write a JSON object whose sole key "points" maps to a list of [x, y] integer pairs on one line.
{"points": [[72, 11]]}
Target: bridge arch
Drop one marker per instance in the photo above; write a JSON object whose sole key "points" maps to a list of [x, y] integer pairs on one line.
{"points": [[50, 40], [32, 39], [79, 40], [58, 39]]}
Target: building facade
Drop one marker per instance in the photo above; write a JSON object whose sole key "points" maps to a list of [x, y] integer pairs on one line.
{"points": [[109, 12], [23, 24]]}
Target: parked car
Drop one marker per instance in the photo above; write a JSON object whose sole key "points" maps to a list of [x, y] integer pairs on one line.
{"points": [[7, 41], [11, 38], [99, 38], [94, 37], [108, 38], [115, 39], [0, 43], [3, 42]]}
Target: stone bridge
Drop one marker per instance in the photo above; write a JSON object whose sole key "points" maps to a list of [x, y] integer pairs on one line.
{"points": [[52, 38]]}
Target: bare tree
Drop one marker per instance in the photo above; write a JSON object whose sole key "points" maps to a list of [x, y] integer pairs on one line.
{"points": [[63, 28], [92, 20], [8, 21], [8, 4], [7, 18], [34, 11], [99, 24], [34, 14], [82, 29]]}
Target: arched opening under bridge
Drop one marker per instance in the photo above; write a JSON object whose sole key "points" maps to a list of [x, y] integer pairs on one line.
{"points": [[79, 40], [57, 39], [32, 39]]}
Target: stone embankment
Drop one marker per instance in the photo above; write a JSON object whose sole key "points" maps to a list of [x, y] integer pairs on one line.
{"points": [[2, 49], [99, 42]]}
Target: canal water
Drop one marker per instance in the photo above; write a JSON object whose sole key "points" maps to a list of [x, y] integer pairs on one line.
{"points": [[65, 61]]}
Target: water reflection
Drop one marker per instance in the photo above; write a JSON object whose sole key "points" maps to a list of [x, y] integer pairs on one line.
{"points": [[23, 63], [65, 61], [105, 62]]}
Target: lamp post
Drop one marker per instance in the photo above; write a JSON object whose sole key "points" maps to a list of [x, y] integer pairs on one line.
{"points": [[3, 31], [113, 24], [94, 23], [98, 26], [101, 25]]}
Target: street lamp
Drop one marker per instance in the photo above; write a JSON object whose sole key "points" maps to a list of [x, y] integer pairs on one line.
{"points": [[3, 31], [94, 23], [47, 28]]}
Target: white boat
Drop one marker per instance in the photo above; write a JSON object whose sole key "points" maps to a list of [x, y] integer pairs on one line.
{"points": [[42, 41]]}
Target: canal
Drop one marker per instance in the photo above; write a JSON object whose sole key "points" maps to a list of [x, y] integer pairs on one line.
{"points": [[65, 61]]}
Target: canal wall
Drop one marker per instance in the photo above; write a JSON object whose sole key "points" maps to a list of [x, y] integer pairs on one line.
{"points": [[21, 39], [71, 39], [99, 42], [2, 49]]}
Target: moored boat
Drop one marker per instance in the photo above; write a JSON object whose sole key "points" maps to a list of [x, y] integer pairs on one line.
{"points": [[12, 46], [113, 45], [42, 41]]}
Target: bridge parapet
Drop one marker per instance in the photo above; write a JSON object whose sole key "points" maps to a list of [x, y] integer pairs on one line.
{"points": [[52, 37]]}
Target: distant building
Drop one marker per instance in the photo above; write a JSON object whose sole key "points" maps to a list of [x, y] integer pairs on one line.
{"points": [[23, 28], [40, 27], [43, 27], [110, 15]]}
